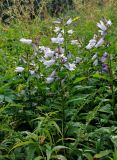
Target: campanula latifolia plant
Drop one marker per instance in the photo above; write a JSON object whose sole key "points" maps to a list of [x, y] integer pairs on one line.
{"points": [[58, 99]]}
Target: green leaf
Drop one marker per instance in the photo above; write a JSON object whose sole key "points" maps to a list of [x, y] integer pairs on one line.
{"points": [[57, 148], [88, 156], [79, 99], [22, 144], [79, 79], [56, 126], [114, 140], [38, 158], [106, 108], [103, 154], [59, 157], [115, 155], [98, 76]]}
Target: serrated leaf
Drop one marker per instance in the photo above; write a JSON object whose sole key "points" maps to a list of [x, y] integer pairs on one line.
{"points": [[106, 108]]}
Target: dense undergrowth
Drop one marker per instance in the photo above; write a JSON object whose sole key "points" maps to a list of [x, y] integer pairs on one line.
{"points": [[58, 79]]}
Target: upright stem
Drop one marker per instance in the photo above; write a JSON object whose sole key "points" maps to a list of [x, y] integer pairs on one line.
{"points": [[65, 40], [28, 75], [111, 84], [63, 113]]}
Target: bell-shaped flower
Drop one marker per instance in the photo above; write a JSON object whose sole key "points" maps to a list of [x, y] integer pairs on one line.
{"points": [[42, 48], [49, 63], [58, 21], [105, 67], [57, 29], [103, 33], [99, 43], [60, 50], [104, 57], [109, 23], [91, 44], [26, 41], [19, 69], [48, 53], [70, 66], [53, 74], [32, 72], [69, 21], [94, 56], [49, 80], [63, 58], [75, 42], [70, 31], [102, 26], [51, 77], [78, 60], [58, 40], [95, 63]]}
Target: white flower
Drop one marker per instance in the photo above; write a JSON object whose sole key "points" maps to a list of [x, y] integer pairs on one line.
{"points": [[41, 59], [102, 26], [70, 66], [105, 54], [57, 40], [42, 48], [26, 41], [57, 29], [49, 62], [78, 60], [92, 43], [48, 53], [35, 54], [49, 80], [32, 64], [63, 58], [95, 63], [99, 43], [51, 77], [103, 33], [70, 31], [19, 69], [109, 23], [32, 72], [69, 21], [53, 74], [63, 31], [94, 56], [58, 21], [60, 50], [74, 42], [60, 35], [104, 57]]}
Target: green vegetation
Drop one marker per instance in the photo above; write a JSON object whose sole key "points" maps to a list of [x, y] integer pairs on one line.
{"points": [[58, 84]]}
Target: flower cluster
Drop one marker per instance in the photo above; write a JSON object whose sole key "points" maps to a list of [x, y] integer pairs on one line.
{"points": [[96, 42], [99, 41], [58, 57], [103, 61]]}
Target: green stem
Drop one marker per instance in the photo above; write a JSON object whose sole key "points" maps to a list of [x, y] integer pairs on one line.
{"points": [[65, 40], [112, 85]]}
